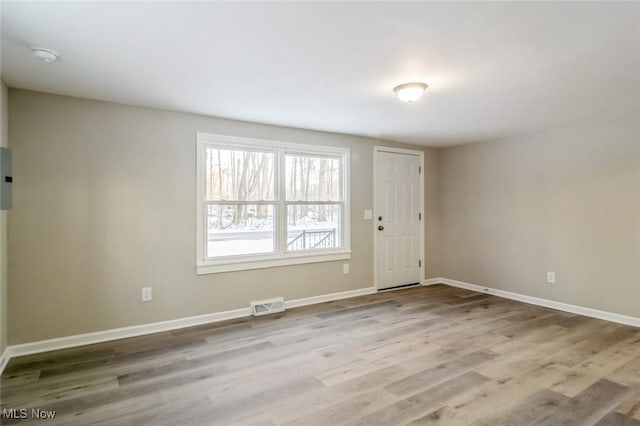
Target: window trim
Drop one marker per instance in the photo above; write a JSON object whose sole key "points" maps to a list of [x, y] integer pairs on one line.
{"points": [[281, 257]]}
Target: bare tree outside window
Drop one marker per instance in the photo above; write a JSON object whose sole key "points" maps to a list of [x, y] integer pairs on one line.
{"points": [[313, 202], [234, 179]]}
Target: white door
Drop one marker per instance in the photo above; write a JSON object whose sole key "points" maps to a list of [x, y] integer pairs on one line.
{"points": [[397, 219]]}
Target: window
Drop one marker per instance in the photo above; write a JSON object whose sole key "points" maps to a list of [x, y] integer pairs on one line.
{"points": [[263, 204]]}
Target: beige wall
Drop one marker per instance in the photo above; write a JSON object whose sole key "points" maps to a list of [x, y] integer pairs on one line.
{"points": [[500, 214], [104, 204], [4, 141], [432, 200], [565, 201]]}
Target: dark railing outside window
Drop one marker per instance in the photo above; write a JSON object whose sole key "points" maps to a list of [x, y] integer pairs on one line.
{"points": [[318, 239]]}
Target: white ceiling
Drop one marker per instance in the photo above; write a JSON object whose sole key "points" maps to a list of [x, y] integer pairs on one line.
{"points": [[494, 69]]}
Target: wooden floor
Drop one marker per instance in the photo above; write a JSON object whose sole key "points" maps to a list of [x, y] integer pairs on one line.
{"points": [[423, 356]]}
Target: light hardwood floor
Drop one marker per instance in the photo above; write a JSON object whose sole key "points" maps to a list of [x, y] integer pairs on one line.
{"points": [[424, 356]]}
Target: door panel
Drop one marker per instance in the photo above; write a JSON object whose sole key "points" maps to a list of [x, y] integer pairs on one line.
{"points": [[397, 209], [390, 250]]}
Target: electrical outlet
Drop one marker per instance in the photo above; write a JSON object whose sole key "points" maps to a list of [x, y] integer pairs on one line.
{"points": [[368, 215], [345, 268], [551, 277], [147, 296]]}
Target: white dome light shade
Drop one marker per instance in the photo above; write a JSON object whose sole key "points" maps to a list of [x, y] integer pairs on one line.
{"points": [[45, 55], [410, 92]]}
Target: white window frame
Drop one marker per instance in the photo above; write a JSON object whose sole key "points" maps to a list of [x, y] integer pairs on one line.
{"points": [[281, 257]]}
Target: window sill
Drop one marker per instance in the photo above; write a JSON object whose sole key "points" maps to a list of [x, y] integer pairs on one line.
{"points": [[271, 262]]}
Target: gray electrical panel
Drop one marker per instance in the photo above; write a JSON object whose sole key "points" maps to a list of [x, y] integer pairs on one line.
{"points": [[6, 179]]}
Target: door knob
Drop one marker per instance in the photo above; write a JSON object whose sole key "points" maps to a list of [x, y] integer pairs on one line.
{"points": [[380, 228]]}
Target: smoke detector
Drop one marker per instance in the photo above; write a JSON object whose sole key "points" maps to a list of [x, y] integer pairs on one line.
{"points": [[45, 55]]}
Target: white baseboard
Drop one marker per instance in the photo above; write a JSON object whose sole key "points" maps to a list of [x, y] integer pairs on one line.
{"points": [[156, 327], [295, 303], [121, 333], [588, 312], [432, 281]]}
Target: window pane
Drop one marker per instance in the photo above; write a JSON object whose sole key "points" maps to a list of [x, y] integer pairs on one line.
{"points": [[239, 175], [313, 227], [312, 178], [239, 229]]}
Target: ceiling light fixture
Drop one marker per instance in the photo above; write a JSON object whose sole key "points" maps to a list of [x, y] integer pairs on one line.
{"points": [[410, 92], [45, 55]]}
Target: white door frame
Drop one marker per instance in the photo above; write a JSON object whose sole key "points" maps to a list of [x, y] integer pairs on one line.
{"points": [[420, 154]]}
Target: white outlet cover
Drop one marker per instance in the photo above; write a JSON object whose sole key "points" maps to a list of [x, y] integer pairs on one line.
{"points": [[368, 214], [147, 294], [345, 268], [551, 277]]}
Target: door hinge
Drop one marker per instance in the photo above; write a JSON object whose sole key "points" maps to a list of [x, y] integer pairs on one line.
{"points": [[419, 169], [419, 263], [419, 216]]}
